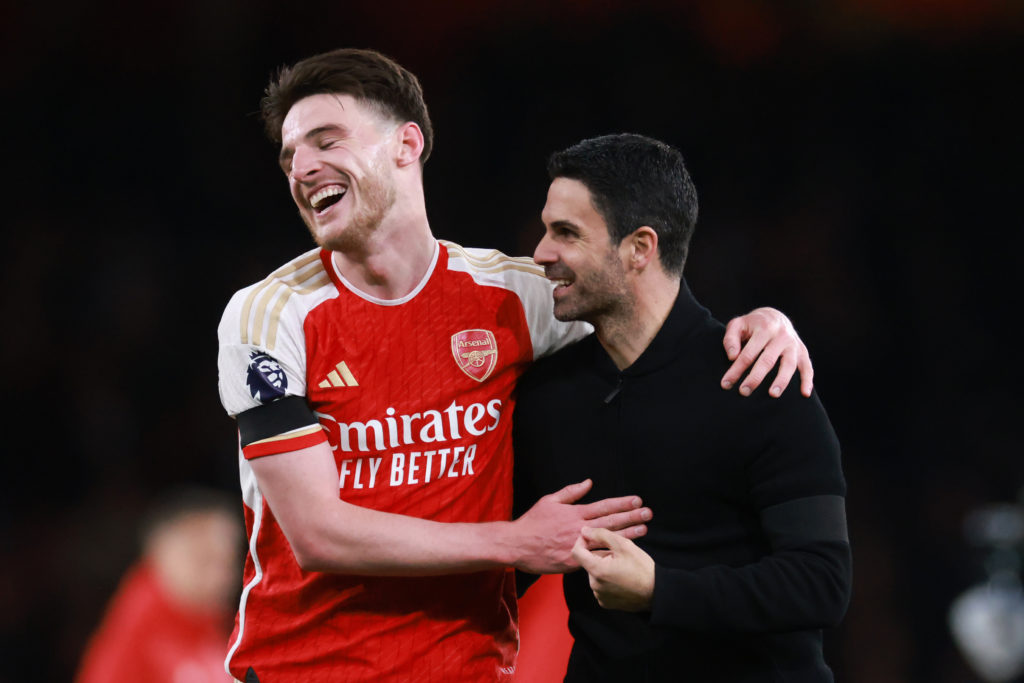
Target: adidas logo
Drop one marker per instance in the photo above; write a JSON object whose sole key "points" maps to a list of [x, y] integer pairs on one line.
{"points": [[340, 376]]}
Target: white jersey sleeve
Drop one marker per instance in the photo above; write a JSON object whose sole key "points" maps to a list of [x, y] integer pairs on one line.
{"points": [[262, 354]]}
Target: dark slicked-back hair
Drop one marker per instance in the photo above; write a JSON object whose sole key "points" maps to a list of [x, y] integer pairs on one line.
{"points": [[366, 75], [635, 181]]}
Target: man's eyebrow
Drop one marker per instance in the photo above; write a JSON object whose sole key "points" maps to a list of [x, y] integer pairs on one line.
{"points": [[287, 152]]}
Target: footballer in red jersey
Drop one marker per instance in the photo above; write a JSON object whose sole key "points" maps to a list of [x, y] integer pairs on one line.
{"points": [[414, 397]]}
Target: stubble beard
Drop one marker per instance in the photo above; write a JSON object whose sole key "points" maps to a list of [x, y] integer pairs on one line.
{"points": [[602, 296], [377, 196]]}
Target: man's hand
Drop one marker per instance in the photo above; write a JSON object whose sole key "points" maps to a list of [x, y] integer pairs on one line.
{"points": [[544, 535], [769, 337], [622, 577]]}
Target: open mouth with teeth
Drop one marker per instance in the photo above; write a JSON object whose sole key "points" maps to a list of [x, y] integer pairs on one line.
{"points": [[327, 197], [559, 276], [562, 285]]}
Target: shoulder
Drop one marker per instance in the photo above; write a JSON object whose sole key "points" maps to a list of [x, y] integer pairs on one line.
{"points": [[262, 343], [787, 444], [790, 441], [745, 423], [492, 267], [254, 313], [523, 279]]}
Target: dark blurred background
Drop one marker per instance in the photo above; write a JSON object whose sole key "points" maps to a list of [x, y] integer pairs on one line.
{"points": [[858, 163]]}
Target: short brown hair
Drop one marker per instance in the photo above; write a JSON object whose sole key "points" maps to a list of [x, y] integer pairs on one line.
{"points": [[366, 75]]}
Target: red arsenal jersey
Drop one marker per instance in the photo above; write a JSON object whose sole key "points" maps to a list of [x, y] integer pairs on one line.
{"points": [[415, 398]]}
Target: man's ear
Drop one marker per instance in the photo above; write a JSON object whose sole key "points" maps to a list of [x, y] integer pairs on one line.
{"points": [[410, 139], [642, 247]]}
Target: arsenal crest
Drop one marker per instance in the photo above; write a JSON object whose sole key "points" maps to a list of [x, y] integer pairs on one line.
{"points": [[476, 353]]}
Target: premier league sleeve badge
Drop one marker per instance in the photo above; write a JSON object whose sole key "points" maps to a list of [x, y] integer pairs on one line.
{"points": [[265, 377]]}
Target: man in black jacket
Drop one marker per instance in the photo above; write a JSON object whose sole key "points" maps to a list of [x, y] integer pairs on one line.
{"points": [[747, 557]]}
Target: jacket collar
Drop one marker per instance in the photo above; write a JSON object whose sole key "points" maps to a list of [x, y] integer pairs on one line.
{"points": [[683, 320]]}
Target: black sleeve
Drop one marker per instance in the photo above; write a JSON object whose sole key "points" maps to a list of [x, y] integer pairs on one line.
{"points": [[800, 587], [796, 484]]}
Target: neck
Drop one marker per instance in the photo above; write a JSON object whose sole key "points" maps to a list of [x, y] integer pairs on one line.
{"points": [[626, 333], [394, 257]]}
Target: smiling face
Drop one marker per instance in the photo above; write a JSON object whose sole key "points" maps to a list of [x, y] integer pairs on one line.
{"points": [[338, 155], [578, 256]]}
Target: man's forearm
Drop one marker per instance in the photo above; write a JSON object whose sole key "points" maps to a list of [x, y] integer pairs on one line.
{"points": [[355, 540], [329, 534], [792, 590]]}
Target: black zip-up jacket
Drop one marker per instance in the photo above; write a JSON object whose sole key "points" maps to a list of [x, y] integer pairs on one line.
{"points": [[749, 529]]}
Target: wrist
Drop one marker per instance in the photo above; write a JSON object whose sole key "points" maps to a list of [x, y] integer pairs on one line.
{"points": [[498, 543]]}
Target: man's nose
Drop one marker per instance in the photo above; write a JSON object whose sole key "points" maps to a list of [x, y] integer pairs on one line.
{"points": [[305, 162], [544, 254]]}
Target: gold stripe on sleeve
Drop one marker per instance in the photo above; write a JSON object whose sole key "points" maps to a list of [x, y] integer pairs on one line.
{"points": [[305, 431], [261, 309], [313, 281], [271, 280], [496, 262]]}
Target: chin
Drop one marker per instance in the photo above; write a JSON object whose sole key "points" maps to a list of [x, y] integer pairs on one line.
{"points": [[565, 315], [330, 236]]}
